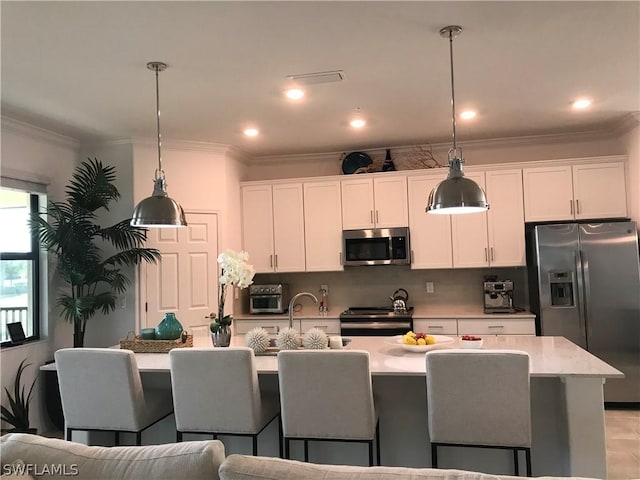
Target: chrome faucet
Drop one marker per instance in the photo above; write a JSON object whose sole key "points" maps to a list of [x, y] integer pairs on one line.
{"points": [[293, 302]]}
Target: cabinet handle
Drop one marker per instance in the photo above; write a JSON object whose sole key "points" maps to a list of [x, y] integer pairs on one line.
{"points": [[371, 215], [276, 262], [271, 261], [486, 255], [376, 216], [435, 327], [271, 328], [577, 206], [492, 257], [496, 326], [571, 206], [321, 327], [340, 257]]}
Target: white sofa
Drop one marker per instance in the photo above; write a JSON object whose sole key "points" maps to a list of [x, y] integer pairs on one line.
{"points": [[187, 460]]}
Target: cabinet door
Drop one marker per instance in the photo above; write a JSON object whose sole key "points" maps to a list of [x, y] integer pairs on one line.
{"points": [[599, 190], [445, 326], [288, 227], [357, 203], [430, 234], [272, 326], [323, 226], [505, 218], [548, 193], [257, 226], [390, 201], [511, 326], [330, 326], [469, 235]]}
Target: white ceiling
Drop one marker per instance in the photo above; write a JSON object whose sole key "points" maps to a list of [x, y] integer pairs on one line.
{"points": [[79, 68]]}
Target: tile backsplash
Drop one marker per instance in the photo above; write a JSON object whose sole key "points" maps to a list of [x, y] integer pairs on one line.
{"points": [[373, 285]]}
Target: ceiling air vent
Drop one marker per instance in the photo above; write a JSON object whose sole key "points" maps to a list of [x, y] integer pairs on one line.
{"points": [[318, 77]]}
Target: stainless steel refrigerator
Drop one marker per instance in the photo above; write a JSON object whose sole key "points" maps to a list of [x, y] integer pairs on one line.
{"points": [[584, 284]]}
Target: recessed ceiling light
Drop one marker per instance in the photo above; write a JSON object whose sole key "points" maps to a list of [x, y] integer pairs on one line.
{"points": [[251, 132], [358, 123], [467, 114], [294, 93], [582, 104]]}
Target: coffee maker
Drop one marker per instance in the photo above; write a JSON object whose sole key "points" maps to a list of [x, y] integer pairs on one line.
{"points": [[498, 296]]}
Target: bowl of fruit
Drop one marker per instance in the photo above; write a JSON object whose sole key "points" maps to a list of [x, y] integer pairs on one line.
{"points": [[419, 342], [470, 341]]}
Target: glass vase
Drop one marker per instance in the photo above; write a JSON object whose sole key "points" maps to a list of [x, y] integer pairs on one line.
{"points": [[169, 328]]}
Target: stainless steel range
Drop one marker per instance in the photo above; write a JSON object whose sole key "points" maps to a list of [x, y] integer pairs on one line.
{"points": [[375, 321]]}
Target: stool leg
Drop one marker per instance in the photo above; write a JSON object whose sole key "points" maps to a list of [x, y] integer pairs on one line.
{"points": [[516, 467], [255, 445], [434, 455], [139, 438], [527, 452], [306, 450], [117, 439], [178, 436], [280, 435], [370, 442], [378, 443], [68, 435], [286, 448]]}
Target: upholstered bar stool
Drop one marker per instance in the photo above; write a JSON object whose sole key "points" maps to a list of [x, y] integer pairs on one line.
{"points": [[101, 390], [216, 391], [326, 395], [479, 398]]}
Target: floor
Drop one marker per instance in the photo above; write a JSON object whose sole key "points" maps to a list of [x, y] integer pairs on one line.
{"points": [[623, 444]]}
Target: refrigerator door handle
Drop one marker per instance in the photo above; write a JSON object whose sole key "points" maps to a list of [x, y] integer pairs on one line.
{"points": [[587, 289], [580, 292]]}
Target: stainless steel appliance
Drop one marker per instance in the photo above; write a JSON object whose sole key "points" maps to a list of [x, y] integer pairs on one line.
{"points": [[272, 298], [376, 246], [498, 297], [585, 286], [375, 321], [400, 298]]}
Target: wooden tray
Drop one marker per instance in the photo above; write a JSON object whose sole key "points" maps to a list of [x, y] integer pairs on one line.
{"points": [[138, 345]]}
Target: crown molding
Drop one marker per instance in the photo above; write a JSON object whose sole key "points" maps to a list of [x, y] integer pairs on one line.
{"points": [[19, 127], [628, 123], [166, 144]]}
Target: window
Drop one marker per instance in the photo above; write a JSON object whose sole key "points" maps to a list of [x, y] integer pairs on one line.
{"points": [[19, 265]]}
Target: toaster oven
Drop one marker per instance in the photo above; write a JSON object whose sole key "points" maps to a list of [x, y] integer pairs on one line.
{"points": [[271, 298]]}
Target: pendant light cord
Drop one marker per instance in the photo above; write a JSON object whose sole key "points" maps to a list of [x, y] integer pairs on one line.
{"points": [[159, 171], [453, 95]]}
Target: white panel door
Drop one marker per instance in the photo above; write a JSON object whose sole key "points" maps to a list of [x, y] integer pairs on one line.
{"points": [[469, 235], [548, 193], [390, 201], [357, 203], [323, 226], [257, 226], [430, 234], [505, 218], [185, 280], [599, 190], [288, 227]]}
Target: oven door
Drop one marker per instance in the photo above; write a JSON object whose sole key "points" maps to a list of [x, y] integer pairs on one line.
{"points": [[375, 328], [266, 304]]}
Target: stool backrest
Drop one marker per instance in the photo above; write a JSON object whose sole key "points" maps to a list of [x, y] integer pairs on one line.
{"points": [[326, 394], [100, 388], [479, 397], [215, 389]]}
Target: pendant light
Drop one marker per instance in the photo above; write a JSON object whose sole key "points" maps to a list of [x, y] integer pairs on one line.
{"points": [[456, 194], [158, 210]]}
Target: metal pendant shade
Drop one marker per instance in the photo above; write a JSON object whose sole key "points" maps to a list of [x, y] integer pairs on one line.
{"points": [[457, 194], [158, 210]]}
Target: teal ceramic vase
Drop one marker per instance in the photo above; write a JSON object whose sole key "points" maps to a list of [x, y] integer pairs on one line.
{"points": [[169, 328]]}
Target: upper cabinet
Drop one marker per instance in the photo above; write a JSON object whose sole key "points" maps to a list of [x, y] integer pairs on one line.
{"points": [[378, 202], [323, 226], [595, 190], [273, 227], [430, 234], [494, 238]]}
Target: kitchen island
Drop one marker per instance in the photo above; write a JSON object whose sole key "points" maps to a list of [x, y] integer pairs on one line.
{"points": [[566, 404]]}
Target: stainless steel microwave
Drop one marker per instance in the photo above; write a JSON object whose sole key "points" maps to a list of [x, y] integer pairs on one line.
{"points": [[376, 246]]}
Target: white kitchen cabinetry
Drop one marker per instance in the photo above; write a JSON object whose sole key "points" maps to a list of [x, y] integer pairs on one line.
{"points": [[595, 190], [495, 326], [330, 326], [445, 326], [430, 234], [494, 238], [272, 326], [273, 227], [323, 226], [378, 202]]}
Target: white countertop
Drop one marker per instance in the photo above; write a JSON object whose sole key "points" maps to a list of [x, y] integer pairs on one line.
{"points": [[550, 357]]}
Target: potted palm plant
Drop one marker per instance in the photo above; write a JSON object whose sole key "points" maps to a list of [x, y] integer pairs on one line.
{"points": [[17, 413], [72, 234]]}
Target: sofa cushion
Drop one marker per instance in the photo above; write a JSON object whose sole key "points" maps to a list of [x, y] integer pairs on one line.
{"points": [[241, 467], [193, 460]]}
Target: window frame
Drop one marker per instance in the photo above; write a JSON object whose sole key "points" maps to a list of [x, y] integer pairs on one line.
{"points": [[34, 257]]}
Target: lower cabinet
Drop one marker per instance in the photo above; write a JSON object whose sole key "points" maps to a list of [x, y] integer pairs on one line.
{"points": [[496, 326], [331, 326], [445, 326]]}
